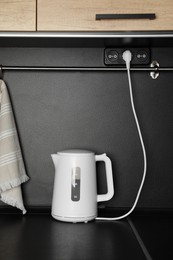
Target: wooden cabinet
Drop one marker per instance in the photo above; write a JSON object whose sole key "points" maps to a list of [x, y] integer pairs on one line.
{"points": [[17, 15], [79, 15]]}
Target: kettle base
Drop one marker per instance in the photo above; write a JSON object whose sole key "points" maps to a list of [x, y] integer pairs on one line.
{"points": [[73, 219]]}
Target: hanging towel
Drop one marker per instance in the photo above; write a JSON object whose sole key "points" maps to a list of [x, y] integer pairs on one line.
{"points": [[12, 170]]}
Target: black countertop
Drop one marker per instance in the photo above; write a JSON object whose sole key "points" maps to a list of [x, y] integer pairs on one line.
{"points": [[39, 236]]}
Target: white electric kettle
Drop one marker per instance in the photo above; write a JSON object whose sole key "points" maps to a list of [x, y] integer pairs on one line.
{"points": [[75, 190]]}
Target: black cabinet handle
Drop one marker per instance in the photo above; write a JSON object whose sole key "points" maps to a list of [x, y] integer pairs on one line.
{"points": [[150, 16]]}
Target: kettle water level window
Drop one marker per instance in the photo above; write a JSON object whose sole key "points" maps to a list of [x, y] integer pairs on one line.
{"points": [[75, 183]]}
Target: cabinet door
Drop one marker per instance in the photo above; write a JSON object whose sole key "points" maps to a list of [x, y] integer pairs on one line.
{"points": [[79, 15], [17, 15]]}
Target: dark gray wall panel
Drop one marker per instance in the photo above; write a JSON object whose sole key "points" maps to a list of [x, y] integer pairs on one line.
{"points": [[91, 110]]}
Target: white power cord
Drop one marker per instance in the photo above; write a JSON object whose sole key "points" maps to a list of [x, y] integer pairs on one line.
{"points": [[127, 56]]}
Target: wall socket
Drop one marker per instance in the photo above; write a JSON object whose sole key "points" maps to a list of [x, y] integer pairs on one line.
{"points": [[140, 56]]}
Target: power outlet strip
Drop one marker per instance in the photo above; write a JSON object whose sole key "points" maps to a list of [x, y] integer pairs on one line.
{"points": [[140, 56]]}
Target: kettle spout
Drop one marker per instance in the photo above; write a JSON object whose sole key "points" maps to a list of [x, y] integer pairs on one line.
{"points": [[55, 159]]}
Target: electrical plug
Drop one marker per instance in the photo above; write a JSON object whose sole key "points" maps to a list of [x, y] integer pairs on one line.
{"points": [[127, 56]]}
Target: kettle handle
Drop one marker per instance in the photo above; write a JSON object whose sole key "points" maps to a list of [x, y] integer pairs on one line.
{"points": [[108, 164]]}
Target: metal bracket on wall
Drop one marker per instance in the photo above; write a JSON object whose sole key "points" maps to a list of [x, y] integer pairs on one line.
{"points": [[154, 74]]}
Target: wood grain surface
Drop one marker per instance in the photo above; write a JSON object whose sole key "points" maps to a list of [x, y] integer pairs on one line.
{"points": [[17, 15], [79, 15]]}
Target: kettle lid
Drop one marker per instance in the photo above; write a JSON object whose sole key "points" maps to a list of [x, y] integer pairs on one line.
{"points": [[76, 152]]}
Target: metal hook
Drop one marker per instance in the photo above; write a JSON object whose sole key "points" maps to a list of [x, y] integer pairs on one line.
{"points": [[1, 72], [154, 74]]}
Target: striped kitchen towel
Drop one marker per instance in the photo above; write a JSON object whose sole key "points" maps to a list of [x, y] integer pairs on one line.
{"points": [[12, 170]]}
